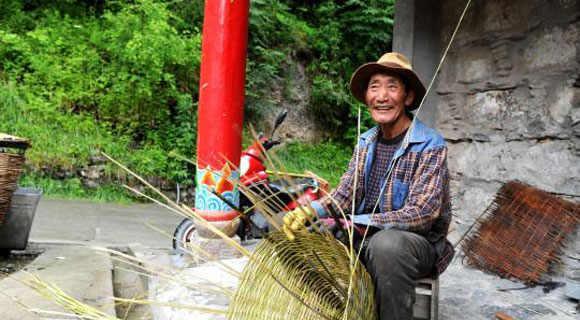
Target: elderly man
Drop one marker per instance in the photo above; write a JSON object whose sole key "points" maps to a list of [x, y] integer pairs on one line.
{"points": [[400, 187]]}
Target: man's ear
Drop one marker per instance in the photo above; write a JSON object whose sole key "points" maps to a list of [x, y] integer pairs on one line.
{"points": [[365, 96], [410, 97]]}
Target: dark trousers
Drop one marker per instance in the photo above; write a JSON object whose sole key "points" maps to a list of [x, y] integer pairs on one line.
{"points": [[395, 260]]}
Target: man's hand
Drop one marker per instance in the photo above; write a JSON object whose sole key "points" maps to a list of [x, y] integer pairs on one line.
{"points": [[296, 220], [339, 232], [330, 226]]}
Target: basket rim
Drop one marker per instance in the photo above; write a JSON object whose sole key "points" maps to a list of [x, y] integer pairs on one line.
{"points": [[9, 141]]}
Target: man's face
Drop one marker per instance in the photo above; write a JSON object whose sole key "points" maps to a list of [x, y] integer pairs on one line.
{"points": [[386, 97]]}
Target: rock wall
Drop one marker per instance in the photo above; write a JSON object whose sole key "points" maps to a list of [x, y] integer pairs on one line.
{"points": [[93, 175], [293, 93], [508, 100]]}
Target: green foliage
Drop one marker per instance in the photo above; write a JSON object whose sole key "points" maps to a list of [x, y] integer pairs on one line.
{"points": [[58, 140], [126, 68], [328, 160], [351, 33], [122, 80], [73, 189], [370, 28], [79, 77], [332, 38], [275, 34], [66, 141]]}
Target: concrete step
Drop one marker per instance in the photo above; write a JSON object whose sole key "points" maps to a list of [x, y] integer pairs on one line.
{"points": [[78, 270], [130, 283]]}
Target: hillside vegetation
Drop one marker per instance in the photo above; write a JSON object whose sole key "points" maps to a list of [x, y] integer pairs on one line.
{"points": [[79, 78]]}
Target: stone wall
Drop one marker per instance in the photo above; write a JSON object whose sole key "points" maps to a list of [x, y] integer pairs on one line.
{"points": [[508, 100], [294, 94], [94, 175]]}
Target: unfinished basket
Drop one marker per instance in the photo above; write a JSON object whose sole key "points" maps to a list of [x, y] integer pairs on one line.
{"points": [[310, 278]]}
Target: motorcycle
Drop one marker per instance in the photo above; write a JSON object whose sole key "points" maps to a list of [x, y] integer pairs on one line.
{"points": [[279, 196]]}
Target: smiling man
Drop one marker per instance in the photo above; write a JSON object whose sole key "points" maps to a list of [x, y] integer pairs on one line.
{"points": [[387, 97], [400, 187]]}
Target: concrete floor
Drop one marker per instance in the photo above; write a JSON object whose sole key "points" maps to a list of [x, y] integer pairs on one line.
{"points": [[103, 224], [66, 231], [467, 293]]}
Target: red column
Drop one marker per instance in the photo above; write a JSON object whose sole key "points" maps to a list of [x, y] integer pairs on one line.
{"points": [[221, 105]]}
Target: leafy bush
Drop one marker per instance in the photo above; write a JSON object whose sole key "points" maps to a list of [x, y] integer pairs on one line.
{"points": [[64, 142], [81, 77], [122, 80], [351, 33]]}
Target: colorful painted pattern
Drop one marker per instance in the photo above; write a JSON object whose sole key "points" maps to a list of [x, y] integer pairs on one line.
{"points": [[209, 205]]}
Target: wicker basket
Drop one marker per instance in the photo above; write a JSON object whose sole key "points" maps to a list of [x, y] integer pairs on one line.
{"points": [[10, 168]]}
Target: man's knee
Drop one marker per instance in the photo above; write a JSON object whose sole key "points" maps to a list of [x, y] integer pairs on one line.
{"points": [[387, 246], [388, 241]]}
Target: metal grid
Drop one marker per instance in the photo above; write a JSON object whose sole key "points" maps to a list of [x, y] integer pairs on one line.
{"points": [[521, 233]]}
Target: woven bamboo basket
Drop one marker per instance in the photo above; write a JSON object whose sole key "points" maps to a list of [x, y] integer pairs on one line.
{"points": [[10, 168]]}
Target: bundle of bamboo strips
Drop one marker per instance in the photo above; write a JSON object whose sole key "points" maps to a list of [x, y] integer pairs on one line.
{"points": [[310, 276]]}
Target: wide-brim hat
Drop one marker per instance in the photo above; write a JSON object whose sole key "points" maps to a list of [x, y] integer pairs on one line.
{"points": [[391, 62]]}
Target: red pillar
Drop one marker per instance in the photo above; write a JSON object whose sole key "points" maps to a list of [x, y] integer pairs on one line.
{"points": [[221, 105]]}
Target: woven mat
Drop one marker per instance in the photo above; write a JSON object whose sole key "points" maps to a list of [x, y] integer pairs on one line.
{"points": [[521, 233]]}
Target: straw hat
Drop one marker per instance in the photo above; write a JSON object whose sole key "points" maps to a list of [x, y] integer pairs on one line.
{"points": [[391, 62]]}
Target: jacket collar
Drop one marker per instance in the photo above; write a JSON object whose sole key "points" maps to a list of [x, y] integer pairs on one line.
{"points": [[417, 133]]}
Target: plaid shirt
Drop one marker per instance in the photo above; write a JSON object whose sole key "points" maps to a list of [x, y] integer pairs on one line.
{"points": [[415, 195], [385, 151]]}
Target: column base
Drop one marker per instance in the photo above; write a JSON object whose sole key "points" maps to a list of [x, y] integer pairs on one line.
{"points": [[216, 249], [228, 227]]}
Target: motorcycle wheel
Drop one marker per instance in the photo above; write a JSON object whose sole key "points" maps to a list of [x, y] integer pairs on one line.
{"points": [[183, 234]]}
